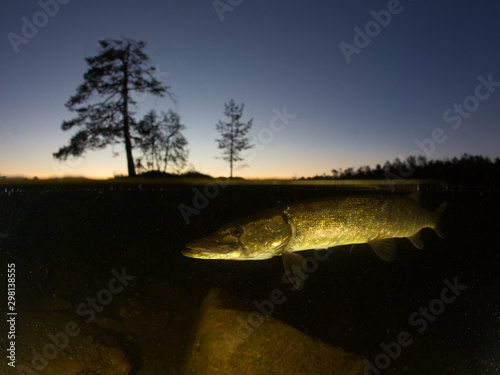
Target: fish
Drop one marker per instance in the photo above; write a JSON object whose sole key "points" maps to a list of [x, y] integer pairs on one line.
{"points": [[376, 219]]}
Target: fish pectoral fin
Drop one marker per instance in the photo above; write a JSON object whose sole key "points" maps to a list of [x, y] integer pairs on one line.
{"points": [[415, 196], [294, 268], [416, 240], [384, 247], [437, 215]]}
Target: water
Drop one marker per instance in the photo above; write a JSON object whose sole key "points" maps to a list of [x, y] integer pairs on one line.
{"points": [[119, 244]]}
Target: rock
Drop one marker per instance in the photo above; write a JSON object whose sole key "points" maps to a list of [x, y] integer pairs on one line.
{"points": [[61, 343], [161, 337], [234, 342]]}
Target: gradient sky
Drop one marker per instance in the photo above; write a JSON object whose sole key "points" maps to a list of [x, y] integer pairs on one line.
{"points": [[269, 55]]}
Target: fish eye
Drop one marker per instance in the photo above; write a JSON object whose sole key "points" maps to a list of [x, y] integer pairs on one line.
{"points": [[236, 231]]}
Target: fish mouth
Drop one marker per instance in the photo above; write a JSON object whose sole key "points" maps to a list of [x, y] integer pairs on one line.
{"points": [[193, 251], [190, 253], [211, 248]]}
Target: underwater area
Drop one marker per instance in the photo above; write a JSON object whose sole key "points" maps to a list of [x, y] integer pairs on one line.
{"points": [[101, 285]]}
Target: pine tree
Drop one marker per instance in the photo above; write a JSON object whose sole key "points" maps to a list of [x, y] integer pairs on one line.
{"points": [[120, 68], [233, 133]]}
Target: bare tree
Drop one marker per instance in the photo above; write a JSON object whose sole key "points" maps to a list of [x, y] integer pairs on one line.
{"points": [[161, 141]]}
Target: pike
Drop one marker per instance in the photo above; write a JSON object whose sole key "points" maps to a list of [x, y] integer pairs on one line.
{"points": [[320, 224]]}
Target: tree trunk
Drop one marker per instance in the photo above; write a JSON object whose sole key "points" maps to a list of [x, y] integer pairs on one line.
{"points": [[126, 125], [232, 148], [167, 150], [128, 150]]}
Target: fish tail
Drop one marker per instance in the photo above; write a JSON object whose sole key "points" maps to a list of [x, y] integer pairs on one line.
{"points": [[437, 223]]}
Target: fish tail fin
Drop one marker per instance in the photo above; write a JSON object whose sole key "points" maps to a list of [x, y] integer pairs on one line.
{"points": [[437, 223]]}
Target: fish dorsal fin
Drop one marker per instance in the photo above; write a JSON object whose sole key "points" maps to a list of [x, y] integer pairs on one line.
{"points": [[416, 241], [294, 268], [384, 247]]}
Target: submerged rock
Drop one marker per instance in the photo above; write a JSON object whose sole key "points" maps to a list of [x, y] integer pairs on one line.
{"points": [[61, 343], [235, 342]]}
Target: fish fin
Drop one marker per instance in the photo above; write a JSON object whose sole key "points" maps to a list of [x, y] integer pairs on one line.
{"points": [[384, 247], [294, 268], [416, 196], [437, 213], [416, 240]]}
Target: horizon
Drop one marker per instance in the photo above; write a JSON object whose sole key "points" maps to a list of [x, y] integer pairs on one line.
{"points": [[250, 178], [359, 85]]}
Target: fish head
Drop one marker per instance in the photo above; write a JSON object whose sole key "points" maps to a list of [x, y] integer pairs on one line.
{"points": [[257, 237]]}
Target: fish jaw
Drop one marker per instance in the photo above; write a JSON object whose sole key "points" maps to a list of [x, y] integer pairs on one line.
{"points": [[257, 237], [213, 246]]}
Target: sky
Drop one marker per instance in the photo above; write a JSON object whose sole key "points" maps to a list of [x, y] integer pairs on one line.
{"points": [[329, 84]]}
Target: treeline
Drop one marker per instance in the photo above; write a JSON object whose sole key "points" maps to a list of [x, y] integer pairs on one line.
{"points": [[466, 168]]}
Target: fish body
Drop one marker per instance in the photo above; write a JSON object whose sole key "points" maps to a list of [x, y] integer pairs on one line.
{"points": [[354, 220], [320, 224]]}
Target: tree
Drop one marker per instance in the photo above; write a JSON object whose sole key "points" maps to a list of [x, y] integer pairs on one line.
{"points": [[161, 141], [120, 68], [233, 134]]}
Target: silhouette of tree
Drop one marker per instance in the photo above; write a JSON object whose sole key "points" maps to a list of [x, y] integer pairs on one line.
{"points": [[120, 68], [466, 169], [161, 141], [233, 134]]}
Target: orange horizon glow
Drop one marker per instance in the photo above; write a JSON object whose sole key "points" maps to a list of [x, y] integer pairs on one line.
{"points": [[108, 177]]}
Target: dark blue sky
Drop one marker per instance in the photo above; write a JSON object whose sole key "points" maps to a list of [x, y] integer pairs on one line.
{"points": [[391, 96]]}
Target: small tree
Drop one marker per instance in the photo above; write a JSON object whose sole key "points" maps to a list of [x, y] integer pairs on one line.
{"points": [[161, 141], [120, 68], [233, 134]]}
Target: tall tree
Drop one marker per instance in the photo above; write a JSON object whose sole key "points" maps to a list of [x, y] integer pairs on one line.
{"points": [[233, 140], [120, 68], [161, 141]]}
